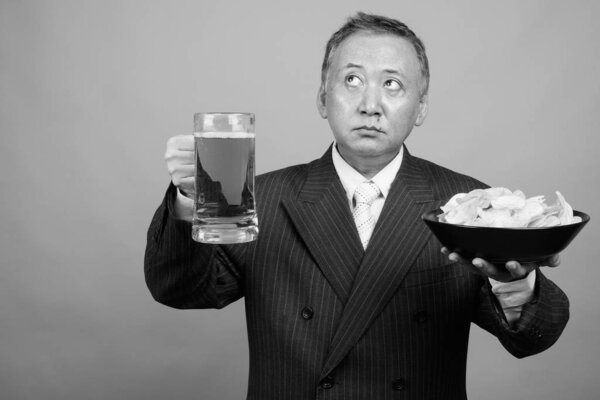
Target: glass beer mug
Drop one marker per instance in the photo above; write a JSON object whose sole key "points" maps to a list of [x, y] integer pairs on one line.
{"points": [[224, 206]]}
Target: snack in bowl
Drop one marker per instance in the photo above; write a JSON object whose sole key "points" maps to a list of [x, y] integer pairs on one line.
{"points": [[500, 208], [499, 225]]}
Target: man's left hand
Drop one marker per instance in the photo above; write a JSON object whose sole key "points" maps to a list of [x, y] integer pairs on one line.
{"points": [[511, 271]]}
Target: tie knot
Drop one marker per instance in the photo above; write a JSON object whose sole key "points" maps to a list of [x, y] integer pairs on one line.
{"points": [[366, 192]]}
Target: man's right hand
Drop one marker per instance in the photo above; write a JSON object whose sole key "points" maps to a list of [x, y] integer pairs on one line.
{"points": [[180, 163]]}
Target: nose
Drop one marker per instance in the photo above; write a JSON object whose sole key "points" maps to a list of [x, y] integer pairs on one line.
{"points": [[370, 104]]}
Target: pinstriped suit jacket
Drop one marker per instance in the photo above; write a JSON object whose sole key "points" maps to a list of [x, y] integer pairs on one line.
{"points": [[328, 320]]}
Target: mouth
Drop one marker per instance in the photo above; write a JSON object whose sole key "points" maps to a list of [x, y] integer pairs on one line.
{"points": [[369, 129]]}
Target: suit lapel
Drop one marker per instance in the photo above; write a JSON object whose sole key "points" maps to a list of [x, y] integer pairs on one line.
{"points": [[322, 217], [397, 239]]}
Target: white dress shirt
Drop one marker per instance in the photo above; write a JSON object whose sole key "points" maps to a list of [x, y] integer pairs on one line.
{"points": [[351, 178], [510, 295]]}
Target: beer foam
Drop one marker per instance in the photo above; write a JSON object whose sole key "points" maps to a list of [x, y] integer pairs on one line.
{"points": [[225, 135]]}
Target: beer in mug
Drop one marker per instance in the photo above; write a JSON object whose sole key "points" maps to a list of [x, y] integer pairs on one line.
{"points": [[224, 205]]}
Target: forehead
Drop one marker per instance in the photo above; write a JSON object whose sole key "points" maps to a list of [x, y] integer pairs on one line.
{"points": [[376, 50]]}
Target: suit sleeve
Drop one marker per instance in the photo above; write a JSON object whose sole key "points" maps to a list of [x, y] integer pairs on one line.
{"points": [[541, 322], [182, 273]]}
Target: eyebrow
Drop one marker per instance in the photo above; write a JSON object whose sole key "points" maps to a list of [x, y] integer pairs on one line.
{"points": [[387, 71], [352, 65]]}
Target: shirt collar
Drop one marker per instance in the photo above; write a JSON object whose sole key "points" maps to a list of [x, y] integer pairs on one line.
{"points": [[351, 178]]}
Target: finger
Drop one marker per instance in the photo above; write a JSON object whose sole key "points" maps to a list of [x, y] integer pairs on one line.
{"points": [[186, 185], [553, 261], [179, 172], [174, 156], [455, 257], [477, 267], [184, 171], [183, 176], [182, 166], [181, 142], [486, 268], [518, 270]]}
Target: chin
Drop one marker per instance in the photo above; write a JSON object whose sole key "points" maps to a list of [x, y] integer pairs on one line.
{"points": [[370, 148]]}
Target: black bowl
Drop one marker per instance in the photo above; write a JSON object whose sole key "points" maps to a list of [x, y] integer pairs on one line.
{"points": [[498, 245]]}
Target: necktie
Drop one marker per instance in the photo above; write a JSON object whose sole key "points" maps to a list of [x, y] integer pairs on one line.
{"points": [[364, 196]]}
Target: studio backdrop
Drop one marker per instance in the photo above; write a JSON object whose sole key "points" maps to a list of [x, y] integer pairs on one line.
{"points": [[90, 91]]}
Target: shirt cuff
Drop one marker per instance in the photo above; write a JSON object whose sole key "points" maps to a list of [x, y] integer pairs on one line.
{"points": [[512, 295], [183, 207]]}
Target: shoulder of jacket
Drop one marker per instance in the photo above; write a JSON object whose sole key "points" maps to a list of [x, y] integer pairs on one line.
{"points": [[447, 182], [289, 178]]}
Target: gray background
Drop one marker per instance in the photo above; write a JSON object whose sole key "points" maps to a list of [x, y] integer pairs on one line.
{"points": [[90, 91]]}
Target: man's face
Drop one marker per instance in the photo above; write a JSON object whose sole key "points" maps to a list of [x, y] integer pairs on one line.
{"points": [[372, 96]]}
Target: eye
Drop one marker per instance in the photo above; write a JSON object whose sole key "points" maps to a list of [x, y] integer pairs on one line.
{"points": [[353, 81], [392, 85]]}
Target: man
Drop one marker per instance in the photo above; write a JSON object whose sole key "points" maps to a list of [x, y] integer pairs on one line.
{"points": [[347, 293]]}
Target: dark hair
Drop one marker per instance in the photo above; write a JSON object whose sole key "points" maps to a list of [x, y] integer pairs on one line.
{"points": [[376, 24]]}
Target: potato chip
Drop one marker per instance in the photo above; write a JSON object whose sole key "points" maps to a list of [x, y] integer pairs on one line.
{"points": [[501, 208], [510, 202], [453, 202], [463, 212]]}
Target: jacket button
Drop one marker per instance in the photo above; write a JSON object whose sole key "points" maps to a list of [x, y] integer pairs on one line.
{"points": [[327, 382], [399, 384], [535, 333], [421, 316], [307, 313]]}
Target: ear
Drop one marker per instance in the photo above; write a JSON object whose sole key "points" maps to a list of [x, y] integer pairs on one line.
{"points": [[321, 101], [423, 109]]}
